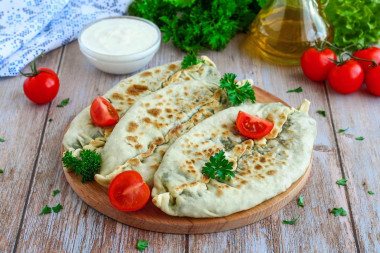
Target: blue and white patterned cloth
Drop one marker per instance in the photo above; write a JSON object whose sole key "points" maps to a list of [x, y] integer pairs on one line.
{"points": [[31, 27]]}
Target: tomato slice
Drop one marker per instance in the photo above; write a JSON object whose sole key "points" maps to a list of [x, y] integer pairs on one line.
{"points": [[103, 113], [128, 191], [252, 126]]}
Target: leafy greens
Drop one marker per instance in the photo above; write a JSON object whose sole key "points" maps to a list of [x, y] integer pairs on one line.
{"points": [[87, 166], [237, 94], [218, 167]]}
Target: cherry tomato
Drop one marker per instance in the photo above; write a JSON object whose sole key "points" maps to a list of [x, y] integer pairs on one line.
{"points": [[372, 80], [103, 113], [42, 85], [252, 126], [128, 191], [346, 78], [372, 53], [317, 64]]}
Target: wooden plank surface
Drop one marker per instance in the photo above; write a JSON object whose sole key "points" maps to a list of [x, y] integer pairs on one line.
{"points": [[30, 158], [22, 125]]}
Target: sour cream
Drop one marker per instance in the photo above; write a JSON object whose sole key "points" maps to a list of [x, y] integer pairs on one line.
{"points": [[119, 45]]}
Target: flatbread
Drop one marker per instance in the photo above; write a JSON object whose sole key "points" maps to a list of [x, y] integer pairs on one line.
{"points": [[261, 171]]}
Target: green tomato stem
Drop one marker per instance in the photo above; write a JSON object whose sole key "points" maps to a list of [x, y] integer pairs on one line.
{"points": [[33, 68]]}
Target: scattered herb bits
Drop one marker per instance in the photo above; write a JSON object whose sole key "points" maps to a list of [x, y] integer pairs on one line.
{"points": [[300, 201], [343, 130], [342, 182], [190, 60], [50, 120], [46, 210], [141, 245], [1, 171], [55, 192], [291, 222], [339, 212], [57, 208], [323, 113], [236, 94], [2, 140], [298, 90], [218, 167], [361, 138], [371, 192], [64, 102]]}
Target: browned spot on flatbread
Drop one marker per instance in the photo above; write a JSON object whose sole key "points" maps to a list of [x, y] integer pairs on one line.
{"points": [[138, 146], [117, 96], [172, 67], [108, 131], [119, 110], [258, 166], [159, 96], [157, 71], [136, 89], [154, 112], [260, 176], [147, 120], [187, 78], [168, 110], [145, 74], [271, 172], [263, 159], [134, 161], [154, 166], [132, 138], [132, 127], [176, 131], [130, 101]]}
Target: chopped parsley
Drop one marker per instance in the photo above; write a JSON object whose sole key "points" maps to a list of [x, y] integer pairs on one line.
{"points": [[339, 211], [64, 102], [342, 182], [55, 192], [46, 210], [236, 94], [298, 90], [323, 113], [190, 60], [50, 120], [1, 171], [291, 222], [300, 201], [142, 245], [371, 192], [87, 166], [359, 138], [2, 140], [342, 130], [57, 208], [218, 167]]}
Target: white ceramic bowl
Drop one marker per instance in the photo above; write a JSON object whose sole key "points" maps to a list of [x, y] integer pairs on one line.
{"points": [[120, 64]]}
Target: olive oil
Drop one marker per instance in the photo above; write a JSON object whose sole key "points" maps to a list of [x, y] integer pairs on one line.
{"points": [[284, 29]]}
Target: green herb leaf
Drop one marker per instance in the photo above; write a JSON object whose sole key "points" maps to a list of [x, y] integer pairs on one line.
{"points": [[55, 192], [46, 210], [236, 94], [342, 130], [339, 211], [50, 120], [298, 90], [2, 140], [141, 245], [343, 182], [359, 138], [300, 201], [371, 192], [291, 222], [218, 167], [57, 208], [190, 60], [64, 102], [87, 166], [323, 113], [1, 171]]}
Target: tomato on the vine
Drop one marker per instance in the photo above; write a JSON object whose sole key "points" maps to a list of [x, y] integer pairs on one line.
{"points": [[103, 113], [371, 53], [42, 85], [347, 77], [317, 64], [372, 80], [252, 126]]}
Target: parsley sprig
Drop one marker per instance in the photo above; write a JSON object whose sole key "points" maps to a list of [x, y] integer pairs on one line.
{"points": [[323, 113], [298, 90], [64, 102], [218, 167], [141, 245], [300, 201], [55, 192], [342, 182], [87, 166], [339, 211], [291, 222], [190, 60], [236, 94]]}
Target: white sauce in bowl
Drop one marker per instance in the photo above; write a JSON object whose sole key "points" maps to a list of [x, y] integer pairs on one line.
{"points": [[119, 36]]}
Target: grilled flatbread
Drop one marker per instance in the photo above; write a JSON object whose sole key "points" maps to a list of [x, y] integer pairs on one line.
{"points": [[261, 171]]}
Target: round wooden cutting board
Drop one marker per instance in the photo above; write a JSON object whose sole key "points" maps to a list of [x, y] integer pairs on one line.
{"points": [[152, 218]]}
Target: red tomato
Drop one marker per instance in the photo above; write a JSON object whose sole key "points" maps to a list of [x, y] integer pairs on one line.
{"points": [[103, 113], [316, 64], [42, 87], [346, 78], [372, 53], [252, 126], [128, 191], [372, 80]]}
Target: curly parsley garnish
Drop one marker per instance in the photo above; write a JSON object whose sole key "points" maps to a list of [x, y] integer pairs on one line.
{"points": [[64, 102], [361, 138], [323, 113], [87, 166], [190, 60], [46, 210], [371, 192], [55, 192], [291, 222], [57, 208], [1, 171], [339, 211], [218, 167], [298, 90], [141, 245], [236, 94], [300, 201], [342, 182]]}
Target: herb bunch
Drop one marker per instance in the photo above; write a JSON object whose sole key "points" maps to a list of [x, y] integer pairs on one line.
{"points": [[87, 166], [218, 167], [190, 60], [236, 94]]}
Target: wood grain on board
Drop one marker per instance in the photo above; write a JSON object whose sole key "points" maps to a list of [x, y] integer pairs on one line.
{"points": [[78, 227], [22, 125]]}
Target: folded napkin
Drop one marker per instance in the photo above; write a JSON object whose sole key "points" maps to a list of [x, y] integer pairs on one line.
{"points": [[31, 27]]}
